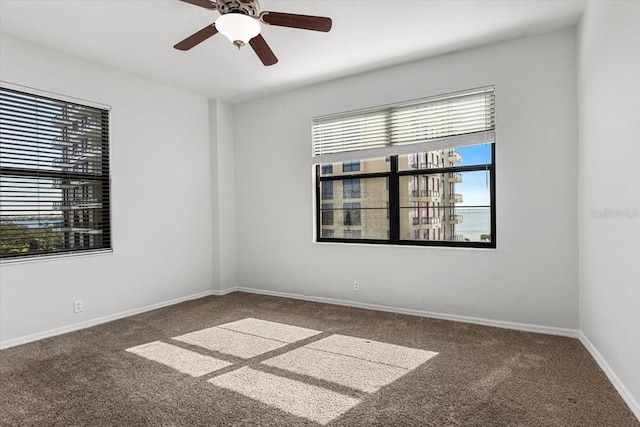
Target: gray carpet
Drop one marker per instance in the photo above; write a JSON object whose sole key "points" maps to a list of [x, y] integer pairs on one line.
{"points": [[250, 360]]}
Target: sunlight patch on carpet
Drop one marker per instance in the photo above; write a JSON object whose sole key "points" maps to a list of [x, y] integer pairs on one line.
{"points": [[345, 370], [185, 361], [294, 397], [353, 362], [230, 342], [374, 351], [271, 330], [363, 365]]}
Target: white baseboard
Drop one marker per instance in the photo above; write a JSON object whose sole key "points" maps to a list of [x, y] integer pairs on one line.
{"points": [[549, 330], [622, 390], [97, 321]]}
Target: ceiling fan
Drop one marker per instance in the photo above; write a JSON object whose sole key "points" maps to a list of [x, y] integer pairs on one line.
{"points": [[240, 20]]}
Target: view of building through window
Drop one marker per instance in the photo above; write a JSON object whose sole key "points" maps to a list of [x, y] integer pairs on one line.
{"points": [[54, 185], [442, 196]]}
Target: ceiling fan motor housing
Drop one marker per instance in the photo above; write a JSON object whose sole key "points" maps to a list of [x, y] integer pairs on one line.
{"points": [[246, 7]]}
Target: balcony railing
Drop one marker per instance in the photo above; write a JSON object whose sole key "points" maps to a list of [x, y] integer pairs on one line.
{"points": [[78, 203], [80, 230], [455, 157], [455, 177], [456, 237], [431, 220], [455, 198], [429, 193], [455, 219], [423, 165], [59, 183]]}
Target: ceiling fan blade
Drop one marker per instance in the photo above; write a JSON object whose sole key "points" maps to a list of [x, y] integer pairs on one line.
{"points": [[202, 3], [263, 50], [197, 38], [305, 22]]}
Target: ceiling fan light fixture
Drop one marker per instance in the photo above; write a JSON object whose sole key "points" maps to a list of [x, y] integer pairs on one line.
{"points": [[238, 28]]}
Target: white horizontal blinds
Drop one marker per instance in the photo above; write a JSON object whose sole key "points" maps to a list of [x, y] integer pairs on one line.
{"points": [[350, 132], [54, 175], [458, 115], [429, 124]]}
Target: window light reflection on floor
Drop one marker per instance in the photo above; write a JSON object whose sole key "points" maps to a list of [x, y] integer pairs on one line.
{"points": [[363, 366]]}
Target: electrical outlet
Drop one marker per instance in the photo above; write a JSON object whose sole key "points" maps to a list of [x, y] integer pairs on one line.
{"points": [[77, 306], [356, 286]]}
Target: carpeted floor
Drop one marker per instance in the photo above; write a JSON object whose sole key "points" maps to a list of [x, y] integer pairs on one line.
{"points": [[250, 360]]}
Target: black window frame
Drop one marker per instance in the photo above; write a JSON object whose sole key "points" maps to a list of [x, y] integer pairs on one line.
{"points": [[18, 105], [393, 175]]}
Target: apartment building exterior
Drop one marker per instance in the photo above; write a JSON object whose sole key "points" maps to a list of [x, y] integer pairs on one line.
{"points": [[357, 207], [80, 157]]}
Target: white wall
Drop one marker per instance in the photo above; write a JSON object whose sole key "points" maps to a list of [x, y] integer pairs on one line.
{"points": [[609, 107], [161, 200], [531, 278]]}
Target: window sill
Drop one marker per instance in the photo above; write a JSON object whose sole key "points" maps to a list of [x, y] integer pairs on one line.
{"points": [[395, 245], [57, 257]]}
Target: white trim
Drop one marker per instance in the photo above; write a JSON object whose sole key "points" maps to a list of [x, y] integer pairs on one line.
{"points": [[606, 368], [548, 330], [104, 319]]}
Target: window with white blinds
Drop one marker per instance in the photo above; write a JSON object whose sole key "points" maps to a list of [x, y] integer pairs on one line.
{"points": [[446, 121], [54, 176]]}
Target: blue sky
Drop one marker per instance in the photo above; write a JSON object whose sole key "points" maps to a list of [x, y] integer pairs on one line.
{"points": [[475, 185]]}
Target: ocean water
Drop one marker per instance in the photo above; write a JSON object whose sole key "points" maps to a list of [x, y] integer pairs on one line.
{"points": [[475, 222], [34, 223]]}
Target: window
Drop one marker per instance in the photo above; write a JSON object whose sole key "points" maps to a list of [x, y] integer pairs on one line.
{"points": [[351, 167], [351, 188], [351, 214], [327, 214], [327, 190], [429, 176], [327, 169], [54, 176]]}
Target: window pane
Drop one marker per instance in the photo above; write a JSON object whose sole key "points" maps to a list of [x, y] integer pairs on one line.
{"points": [[359, 210], [474, 224], [436, 206], [355, 167], [479, 154], [469, 155]]}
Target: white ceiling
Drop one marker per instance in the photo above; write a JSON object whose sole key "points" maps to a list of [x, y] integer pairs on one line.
{"points": [[138, 36]]}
